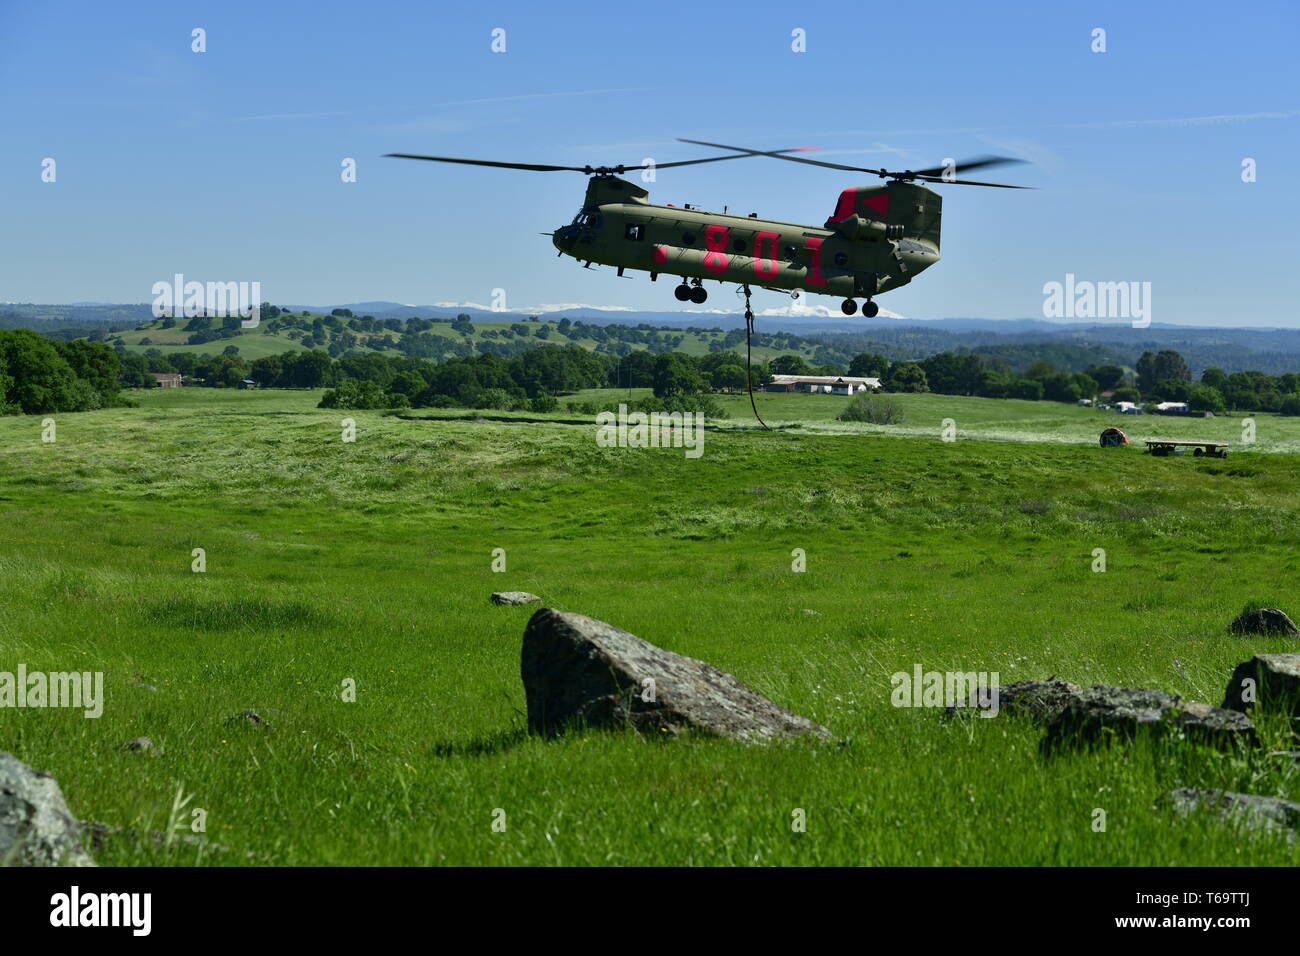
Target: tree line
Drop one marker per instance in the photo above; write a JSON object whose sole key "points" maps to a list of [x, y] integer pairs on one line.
{"points": [[40, 375], [1158, 377]]}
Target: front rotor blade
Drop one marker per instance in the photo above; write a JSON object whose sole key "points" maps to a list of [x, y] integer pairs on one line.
{"points": [[541, 168], [778, 154], [714, 159], [488, 162]]}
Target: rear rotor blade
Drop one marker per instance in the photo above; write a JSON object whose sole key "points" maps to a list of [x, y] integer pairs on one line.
{"points": [[970, 182], [929, 175], [969, 164]]}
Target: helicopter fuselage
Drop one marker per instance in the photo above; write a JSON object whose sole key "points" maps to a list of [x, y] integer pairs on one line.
{"points": [[879, 239]]}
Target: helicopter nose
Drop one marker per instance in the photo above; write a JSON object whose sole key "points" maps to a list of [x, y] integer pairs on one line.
{"points": [[564, 238]]}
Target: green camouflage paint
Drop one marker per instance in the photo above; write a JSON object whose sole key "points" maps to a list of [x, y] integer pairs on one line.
{"points": [[878, 239]]}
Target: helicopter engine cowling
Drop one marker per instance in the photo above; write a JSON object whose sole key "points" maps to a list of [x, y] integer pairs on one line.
{"points": [[871, 230]]}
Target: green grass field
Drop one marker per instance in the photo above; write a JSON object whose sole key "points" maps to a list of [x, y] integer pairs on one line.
{"points": [[997, 419], [372, 560]]}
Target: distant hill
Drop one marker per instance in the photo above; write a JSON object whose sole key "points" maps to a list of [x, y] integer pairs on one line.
{"points": [[1272, 351], [435, 338], [71, 321], [821, 339]]}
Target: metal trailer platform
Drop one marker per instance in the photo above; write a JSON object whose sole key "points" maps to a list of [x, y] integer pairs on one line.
{"points": [[1162, 446]]}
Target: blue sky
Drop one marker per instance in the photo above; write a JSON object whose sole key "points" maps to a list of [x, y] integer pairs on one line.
{"points": [[225, 165]]}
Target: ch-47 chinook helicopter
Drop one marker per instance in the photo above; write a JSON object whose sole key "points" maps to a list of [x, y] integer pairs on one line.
{"points": [[878, 238]]}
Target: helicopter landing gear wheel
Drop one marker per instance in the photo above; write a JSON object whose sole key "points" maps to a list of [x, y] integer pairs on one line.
{"points": [[682, 292], [699, 294], [870, 309], [848, 307]]}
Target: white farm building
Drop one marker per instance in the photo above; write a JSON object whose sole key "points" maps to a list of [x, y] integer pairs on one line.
{"points": [[827, 384]]}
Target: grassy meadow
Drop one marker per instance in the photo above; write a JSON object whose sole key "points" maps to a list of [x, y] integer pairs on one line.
{"points": [[996, 419], [371, 561]]}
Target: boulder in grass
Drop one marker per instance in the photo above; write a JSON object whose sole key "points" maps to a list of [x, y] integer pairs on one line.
{"points": [[1265, 620], [36, 826], [1040, 700], [580, 672], [1260, 813], [1268, 681], [515, 597], [1100, 714]]}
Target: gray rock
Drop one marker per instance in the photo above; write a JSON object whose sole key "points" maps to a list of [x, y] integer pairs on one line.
{"points": [[1266, 620], [1261, 813], [578, 671], [139, 745], [1040, 700], [1270, 681], [1102, 713], [36, 826], [515, 597]]}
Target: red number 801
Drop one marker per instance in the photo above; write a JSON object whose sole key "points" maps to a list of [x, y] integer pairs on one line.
{"points": [[715, 238]]}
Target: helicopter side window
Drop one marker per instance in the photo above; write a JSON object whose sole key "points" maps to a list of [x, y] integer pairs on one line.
{"points": [[634, 231], [688, 238]]}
